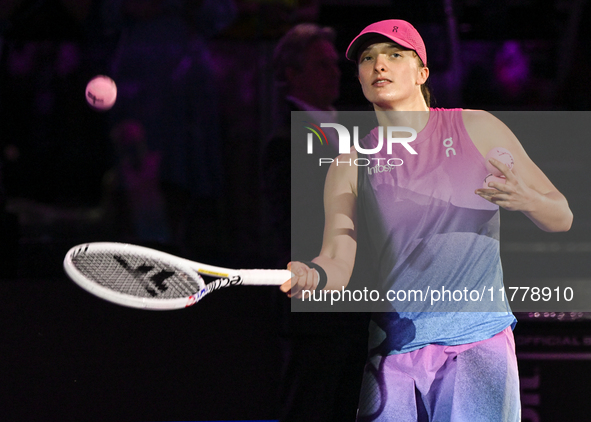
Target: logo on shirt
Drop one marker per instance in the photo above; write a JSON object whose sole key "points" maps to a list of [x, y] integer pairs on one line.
{"points": [[448, 143], [383, 168]]}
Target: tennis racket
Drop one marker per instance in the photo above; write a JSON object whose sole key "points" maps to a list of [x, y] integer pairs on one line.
{"points": [[140, 277]]}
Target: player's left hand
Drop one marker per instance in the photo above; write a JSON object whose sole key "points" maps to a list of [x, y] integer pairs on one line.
{"points": [[513, 195]]}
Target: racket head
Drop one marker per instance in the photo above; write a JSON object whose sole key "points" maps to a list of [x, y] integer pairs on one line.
{"points": [[373, 394], [134, 276]]}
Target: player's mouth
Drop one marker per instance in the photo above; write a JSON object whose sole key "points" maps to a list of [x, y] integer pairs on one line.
{"points": [[381, 82]]}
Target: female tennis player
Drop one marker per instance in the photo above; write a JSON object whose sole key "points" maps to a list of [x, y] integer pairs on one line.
{"points": [[436, 227]]}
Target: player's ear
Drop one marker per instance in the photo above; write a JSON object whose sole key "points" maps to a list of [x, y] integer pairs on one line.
{"points": [[423, 75]]}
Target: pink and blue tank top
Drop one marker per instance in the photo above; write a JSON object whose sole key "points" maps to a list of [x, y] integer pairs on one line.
{"points": [[427, 230]]}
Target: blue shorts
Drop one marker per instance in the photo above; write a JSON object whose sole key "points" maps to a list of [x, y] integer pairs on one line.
{"points": [[470, 382]]}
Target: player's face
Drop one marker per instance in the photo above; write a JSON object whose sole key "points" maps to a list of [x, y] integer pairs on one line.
{"points": [[391, 77], [320, 76]]}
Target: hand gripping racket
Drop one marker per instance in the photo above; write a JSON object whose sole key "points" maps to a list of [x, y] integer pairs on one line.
{"points": [[145, 278]]}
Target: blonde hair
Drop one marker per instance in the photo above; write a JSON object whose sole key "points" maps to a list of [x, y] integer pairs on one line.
{"points": [[425, 90]]}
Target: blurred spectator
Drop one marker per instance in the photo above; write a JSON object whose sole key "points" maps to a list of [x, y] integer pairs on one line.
{"points": [[135, 204], [324, 352], [512, 69], [307, 76], [164, 78]]}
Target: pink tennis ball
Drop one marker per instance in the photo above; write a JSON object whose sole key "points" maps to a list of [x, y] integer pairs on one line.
{"points": [[501, 154], [101, 93], [492, 178]]}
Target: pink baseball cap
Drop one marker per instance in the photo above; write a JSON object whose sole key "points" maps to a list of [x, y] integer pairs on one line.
{"points": [[397, 30]]}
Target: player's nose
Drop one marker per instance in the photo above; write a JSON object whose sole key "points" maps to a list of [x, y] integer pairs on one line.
{"points": [[380, 63]]}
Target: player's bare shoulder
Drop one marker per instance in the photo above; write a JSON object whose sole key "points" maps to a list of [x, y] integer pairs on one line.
{"points": [[342, 175], [487, 131]]}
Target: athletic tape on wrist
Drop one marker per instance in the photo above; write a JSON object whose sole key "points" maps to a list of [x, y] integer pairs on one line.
{"points": [[321, 273]]}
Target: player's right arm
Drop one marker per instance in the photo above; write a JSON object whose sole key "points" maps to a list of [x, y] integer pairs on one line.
{"points": [[339, 244]]}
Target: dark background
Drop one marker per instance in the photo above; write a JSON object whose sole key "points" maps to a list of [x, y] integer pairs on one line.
{"points": [[69, 356]]}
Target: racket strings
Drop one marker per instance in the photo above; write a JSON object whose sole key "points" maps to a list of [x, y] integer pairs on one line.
{"points": [[137, 275], [373, 394]]}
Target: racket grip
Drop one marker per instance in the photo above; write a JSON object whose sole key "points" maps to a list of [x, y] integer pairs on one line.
{"points": [[265, 277]]}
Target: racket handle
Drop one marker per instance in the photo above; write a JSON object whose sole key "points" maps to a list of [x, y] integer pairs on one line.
{"points": [[265, 277]]}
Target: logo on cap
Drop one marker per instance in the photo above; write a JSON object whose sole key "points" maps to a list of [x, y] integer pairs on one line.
{"points": [[395, 29]]}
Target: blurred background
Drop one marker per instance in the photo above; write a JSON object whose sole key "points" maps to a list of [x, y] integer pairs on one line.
{"points": [[175, 164]]}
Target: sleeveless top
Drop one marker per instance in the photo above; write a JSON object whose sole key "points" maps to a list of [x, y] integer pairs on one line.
{"points": [[426, 230]]}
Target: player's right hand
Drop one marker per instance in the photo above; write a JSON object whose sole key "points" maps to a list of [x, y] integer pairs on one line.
{"points": [[303, 278]]}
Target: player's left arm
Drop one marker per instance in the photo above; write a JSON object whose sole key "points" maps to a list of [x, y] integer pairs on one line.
{"points": [[527, 188]]}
